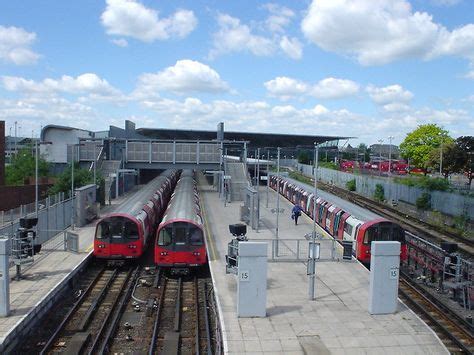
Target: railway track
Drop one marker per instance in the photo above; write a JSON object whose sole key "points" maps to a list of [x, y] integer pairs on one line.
{"points": [[86, 328], [182, 325], [456, 335]]}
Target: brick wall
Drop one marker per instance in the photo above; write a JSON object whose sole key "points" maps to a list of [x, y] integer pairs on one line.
{"points": [[2, 153], [14, 196]]}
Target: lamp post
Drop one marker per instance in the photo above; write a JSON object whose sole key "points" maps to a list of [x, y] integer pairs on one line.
{"points": [[312, 276], [268, 174], [390, 155], [73, 151], [380, 156], [441, 160], [36, 174]]}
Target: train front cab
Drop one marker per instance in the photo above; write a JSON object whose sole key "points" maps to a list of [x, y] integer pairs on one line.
{"points": [[118, 237], [180, 246], [379, 230]]}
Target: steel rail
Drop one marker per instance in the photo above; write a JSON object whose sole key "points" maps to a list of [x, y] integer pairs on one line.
{"points": [[436, 320], [93, 306], [71, 312], [197, 349], [154, 335], [123, 296], [206, 321], [177, 310]]}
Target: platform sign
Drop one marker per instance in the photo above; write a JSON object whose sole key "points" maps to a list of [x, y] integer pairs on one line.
{"points": [[244, 275], [265, 178], [394, 271]]}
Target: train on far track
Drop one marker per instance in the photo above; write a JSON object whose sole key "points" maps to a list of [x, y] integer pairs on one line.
{"points": [[342, 222], [125, 233], [180, 242]]}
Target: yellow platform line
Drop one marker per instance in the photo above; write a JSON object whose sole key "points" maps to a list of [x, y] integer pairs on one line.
{"points": [[90, 247], [209, 236]]}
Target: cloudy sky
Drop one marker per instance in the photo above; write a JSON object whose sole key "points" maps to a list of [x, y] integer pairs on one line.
{"points": [[363, 68]]}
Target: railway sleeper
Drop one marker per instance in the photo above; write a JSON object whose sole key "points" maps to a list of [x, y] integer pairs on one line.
{"points": [[171, 343], [77, 343]]}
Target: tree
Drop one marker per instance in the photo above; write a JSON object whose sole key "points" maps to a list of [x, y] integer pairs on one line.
{"points": [[419, 144], [363, 149], [81, 177], [449, 162], [464, 158], [23, 166], [304, 157]]}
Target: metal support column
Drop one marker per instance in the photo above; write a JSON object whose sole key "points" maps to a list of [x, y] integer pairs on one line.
{"points": [[4, 277]]}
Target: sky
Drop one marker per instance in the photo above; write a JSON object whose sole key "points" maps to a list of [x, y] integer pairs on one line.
{"points": [[369, 69]]}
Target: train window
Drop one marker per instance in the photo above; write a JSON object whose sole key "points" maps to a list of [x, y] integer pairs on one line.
{"points": [[195, 236], [180, 235], [165, 237], [370, 235], [348, 228], [130, 230]]}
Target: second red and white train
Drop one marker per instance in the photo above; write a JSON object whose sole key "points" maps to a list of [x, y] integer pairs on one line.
{"points": [[341, 223]]}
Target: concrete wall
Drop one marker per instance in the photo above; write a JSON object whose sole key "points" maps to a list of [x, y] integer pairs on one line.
{"points": [[448, 203]]}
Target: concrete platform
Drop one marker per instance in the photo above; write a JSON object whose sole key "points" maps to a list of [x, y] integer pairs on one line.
{"points": [[42, 282], [337, 322]]}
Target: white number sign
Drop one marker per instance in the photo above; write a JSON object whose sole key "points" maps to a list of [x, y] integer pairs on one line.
{"points": [[244, 275]]}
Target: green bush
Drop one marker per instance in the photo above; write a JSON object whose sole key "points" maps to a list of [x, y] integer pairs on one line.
{"points": [[328, 165], [424, 201], [379, 194], [431, 184], [351, 185]]}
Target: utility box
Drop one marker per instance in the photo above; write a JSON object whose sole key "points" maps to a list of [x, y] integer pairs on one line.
{"points": [[384, 274], [252, 279], [86, 206], [4, 276]]}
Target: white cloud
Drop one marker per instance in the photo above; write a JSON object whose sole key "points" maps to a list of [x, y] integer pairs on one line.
{"points": [[389, 94], [280, 17], [15, 46], [329, 88], [470, 75], [286, 88], [88, 83], [131, 18], [233, 36], [121, 42], [380, 32], [333, 88], [292, 47], [184, 77]]}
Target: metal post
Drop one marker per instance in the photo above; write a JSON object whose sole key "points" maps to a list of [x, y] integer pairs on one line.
{"points": [[268, 174], [441, 160], [72, 186], [36, 179], [380, 156], [258, 186], [225, 184], [15, 136], [95, 163], [390, 156], [316, 157], [4, 277], [278, 199], [312, 270]]}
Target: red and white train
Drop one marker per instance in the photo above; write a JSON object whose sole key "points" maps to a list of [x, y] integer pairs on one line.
{"points": [[341, 223], [180, 243], [124, 233]]}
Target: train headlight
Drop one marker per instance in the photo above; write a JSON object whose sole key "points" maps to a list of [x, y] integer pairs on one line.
{"points": [[196, 253], [101, 245], [163, 253], [131, 246]]}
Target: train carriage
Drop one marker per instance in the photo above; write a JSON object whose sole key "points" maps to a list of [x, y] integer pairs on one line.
{"points": [[125, 233], [180, 243], [342, 223]]}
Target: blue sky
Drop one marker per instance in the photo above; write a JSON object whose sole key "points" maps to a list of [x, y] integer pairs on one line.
{"points": [[363, 68]]}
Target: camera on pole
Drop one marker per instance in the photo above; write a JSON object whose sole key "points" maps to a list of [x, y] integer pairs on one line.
{"points": [[23, 247]]}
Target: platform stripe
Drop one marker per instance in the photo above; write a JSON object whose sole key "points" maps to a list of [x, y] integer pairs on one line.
{"points": [[209, 236]]}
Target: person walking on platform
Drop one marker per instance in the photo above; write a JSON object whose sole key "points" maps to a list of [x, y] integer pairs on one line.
{"points": [[295, 213]]}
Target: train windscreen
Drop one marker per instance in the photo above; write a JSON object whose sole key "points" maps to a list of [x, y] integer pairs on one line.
{"points": [[180, 234], [384, 232], [117, 230]]}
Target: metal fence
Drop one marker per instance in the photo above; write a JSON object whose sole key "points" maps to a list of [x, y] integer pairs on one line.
{"points": [[54, 215], [449, 203], [297, 250]]}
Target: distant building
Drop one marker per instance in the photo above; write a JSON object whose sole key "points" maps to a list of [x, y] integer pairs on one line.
{"points": [[377, 150], [15, 144]]}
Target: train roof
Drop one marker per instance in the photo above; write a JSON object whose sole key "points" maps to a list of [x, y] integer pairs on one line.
{"points": [[134, 204], [182, 205], [355, 210]]}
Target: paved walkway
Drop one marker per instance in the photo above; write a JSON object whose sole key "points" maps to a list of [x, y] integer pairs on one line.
{"points": [[337, 322]]}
